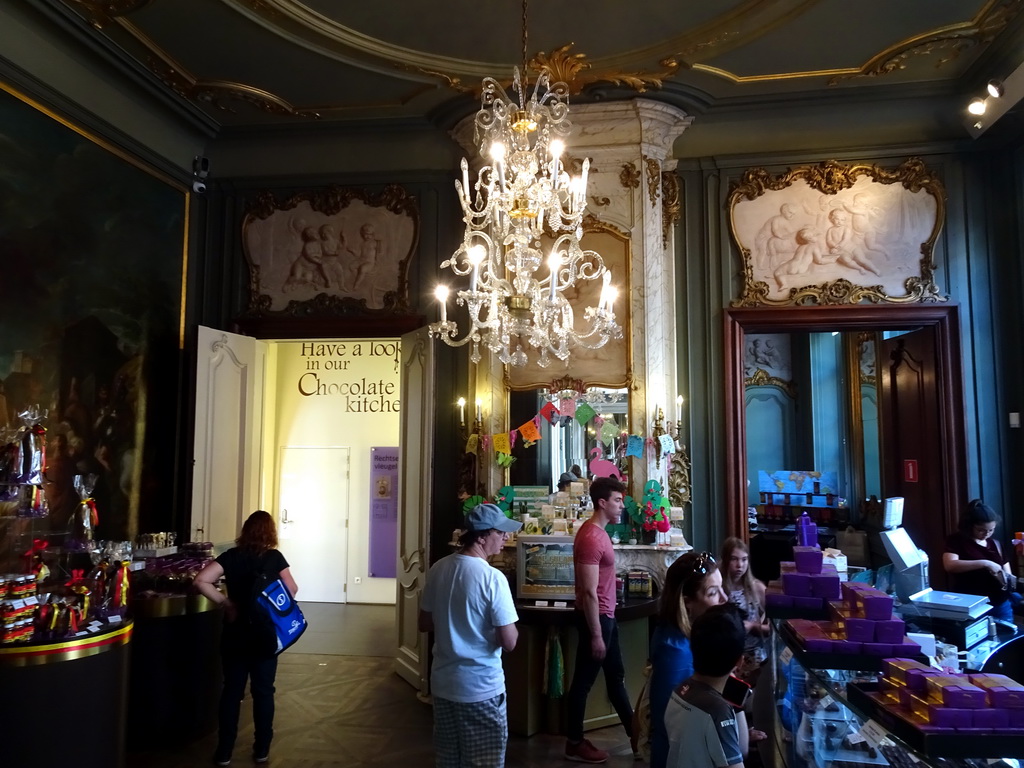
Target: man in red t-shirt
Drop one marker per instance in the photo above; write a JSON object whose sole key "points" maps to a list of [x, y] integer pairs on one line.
{"points": [[594, 563]]}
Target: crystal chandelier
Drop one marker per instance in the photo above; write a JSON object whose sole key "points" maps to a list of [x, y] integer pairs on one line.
{"points": [[523, 196]]}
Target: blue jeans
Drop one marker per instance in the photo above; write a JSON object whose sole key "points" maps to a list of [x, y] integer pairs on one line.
{"points": [[260, 673], [585, 675], [1003, 611]]}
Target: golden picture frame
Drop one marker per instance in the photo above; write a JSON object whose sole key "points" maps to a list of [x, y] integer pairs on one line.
{"points": [[837, 234]]}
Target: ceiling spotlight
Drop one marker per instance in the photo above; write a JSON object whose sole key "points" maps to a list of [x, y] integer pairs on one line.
{"points": [[995, 88], [976, 107]]}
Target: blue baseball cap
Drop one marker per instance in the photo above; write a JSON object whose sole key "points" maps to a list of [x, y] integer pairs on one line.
{"points": [[484, 517]]}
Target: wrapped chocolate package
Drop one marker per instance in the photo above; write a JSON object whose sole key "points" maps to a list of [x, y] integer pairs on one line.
{"points": [[85, 518]]}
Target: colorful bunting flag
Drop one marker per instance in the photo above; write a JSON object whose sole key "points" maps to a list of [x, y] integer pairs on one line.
{"points": [[530, 432], [550, 413], [635, 446], [585, 413], [668, 445], [567, 406], [501, 442]]}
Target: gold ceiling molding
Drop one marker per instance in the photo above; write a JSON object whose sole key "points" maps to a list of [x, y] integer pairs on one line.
{"points": [[954, 39], [101, 12], [219, 93]]}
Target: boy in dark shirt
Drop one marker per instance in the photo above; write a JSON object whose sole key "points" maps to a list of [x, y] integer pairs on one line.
{"points": [[704, 729]]}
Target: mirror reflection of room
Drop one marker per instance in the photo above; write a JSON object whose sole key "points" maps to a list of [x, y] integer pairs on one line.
{"points": [[566, 446], [812, 436]]}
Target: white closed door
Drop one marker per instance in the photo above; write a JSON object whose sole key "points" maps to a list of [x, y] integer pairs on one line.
{"points": [[312, 515]]}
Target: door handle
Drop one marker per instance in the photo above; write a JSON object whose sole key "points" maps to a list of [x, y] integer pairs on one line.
{"points": [[284, 516]]}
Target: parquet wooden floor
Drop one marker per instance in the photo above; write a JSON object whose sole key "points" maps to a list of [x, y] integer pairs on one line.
{"points": [[354, 711]]}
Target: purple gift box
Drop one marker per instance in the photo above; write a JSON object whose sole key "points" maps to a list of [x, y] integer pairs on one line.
{"points": [[877, 606], [825, 586], [818, 644], [949, 717], [860, 630], [778, 600], [796, 584], [845, 646], [891, 631], [990, 718], [917, 679], [808, 559], [877, 649], [964, 696]]}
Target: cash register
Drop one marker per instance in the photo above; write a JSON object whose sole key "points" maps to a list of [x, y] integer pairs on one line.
{"points": [[956, 617]]}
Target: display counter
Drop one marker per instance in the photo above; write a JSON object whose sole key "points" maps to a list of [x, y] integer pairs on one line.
{"points": [[534, 701], [175, 670], [65, 703], [835, 718]]}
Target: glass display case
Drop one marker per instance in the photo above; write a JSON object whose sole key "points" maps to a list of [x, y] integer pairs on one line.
{"points": [[828, 718]]}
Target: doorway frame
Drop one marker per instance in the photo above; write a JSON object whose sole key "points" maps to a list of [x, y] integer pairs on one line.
{"points": [[943, 319]]}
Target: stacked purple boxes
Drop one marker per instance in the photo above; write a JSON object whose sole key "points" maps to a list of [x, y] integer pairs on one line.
{"points": [[805, 583], [861, 623], [936, 702]]}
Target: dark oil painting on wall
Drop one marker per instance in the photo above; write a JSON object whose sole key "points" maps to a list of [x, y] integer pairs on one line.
{"points": [[92, 247]]}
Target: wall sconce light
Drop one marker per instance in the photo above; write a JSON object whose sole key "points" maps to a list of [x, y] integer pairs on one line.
{"points": [[462, 411], [976, 107], [995, 89], [479, 410]]}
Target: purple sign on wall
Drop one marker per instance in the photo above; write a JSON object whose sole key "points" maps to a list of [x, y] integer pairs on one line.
{"points": [[384, 513]]}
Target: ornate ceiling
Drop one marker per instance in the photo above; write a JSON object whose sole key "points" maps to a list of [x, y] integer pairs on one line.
{"points": [[259, 63]]}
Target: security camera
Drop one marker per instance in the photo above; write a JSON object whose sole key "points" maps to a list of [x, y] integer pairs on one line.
{"points": [[198, 187], [201, 166]]}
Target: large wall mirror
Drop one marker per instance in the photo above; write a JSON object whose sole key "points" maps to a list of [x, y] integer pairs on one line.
{"points": [[811, 401], [565, 443], [899, 432]]}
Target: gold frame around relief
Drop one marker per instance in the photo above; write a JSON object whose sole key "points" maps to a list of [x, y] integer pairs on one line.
{"points": [[331, 203], [762, 378], [543, 378], [829, 178]]}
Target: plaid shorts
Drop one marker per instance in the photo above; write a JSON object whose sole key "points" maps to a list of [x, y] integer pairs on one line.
{"points": [[470, 735]]}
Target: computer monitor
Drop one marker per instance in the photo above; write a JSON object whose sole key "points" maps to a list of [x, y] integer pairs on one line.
{"points": [[901, 550], [910, 567]]}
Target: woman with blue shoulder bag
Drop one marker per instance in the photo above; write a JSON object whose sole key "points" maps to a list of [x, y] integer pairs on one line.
{"points": [[254, 557]]}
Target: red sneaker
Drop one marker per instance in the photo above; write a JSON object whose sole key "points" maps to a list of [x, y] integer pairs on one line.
{"points": [[585, 752]]}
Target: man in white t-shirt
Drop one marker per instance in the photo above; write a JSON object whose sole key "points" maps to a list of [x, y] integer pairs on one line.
{"points": [[468, 606]]}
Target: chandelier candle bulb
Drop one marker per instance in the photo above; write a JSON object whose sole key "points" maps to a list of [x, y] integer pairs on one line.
{"points": [[679, 408], [441, 292], [553, 261], [462, 411], [479, 410]]}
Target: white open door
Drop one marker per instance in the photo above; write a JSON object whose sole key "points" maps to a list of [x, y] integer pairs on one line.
{"points": [[227, 453], [415, 498]]}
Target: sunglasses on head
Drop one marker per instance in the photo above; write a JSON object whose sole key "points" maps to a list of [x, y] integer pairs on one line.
{"points": [[703, 564]]}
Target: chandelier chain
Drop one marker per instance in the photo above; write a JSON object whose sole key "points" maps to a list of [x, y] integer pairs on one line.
{"points": [[525, 34]]}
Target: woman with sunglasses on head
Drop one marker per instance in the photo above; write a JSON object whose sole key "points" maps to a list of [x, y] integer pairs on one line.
{"points": [[747, 594], [692, 585]]}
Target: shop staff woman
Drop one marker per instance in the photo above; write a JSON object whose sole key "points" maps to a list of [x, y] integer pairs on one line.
{"points": [[976, 560]]}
